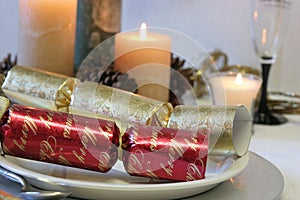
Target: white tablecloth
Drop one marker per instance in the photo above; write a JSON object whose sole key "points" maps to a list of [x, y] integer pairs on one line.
{"points": [[280, 145]]}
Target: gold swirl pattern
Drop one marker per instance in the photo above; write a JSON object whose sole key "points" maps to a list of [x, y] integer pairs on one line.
{"points": [[193, 172], [100, 101], [47, 148], [135, 164], [33, 87], [104, 159]]}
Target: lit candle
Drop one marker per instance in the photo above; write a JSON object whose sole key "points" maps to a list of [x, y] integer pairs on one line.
{"points": [[47, 34], [145, 56], [233, 89]]}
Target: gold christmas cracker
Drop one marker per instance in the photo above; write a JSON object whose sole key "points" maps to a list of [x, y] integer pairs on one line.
{"points": [[230, 126], [42, 89], [96, 100], [38, 88]]}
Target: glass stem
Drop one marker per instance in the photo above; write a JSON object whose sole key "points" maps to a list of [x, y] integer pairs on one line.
{"points": [[263, 107]]}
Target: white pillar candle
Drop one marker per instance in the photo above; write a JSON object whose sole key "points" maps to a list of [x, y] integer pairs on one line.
{"points": [[146, 57], [47, 34], [234, 89]]}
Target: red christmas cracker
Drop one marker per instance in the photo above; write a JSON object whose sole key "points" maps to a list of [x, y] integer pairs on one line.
{"points": [[165, 153], [60, 138]]}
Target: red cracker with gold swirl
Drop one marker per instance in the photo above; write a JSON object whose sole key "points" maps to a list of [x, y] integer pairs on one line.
{"points": [[60, 138], [165, 153]]}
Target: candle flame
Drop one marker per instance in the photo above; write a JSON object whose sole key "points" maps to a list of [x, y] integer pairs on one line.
{"points": [[255, 14], [143, 32], [238, 79]]}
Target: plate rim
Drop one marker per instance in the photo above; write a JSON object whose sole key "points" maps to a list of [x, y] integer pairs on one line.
{"points": [[238, 166]]}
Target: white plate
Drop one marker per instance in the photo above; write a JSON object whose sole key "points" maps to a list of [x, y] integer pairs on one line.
{"points": [[116, 184]]}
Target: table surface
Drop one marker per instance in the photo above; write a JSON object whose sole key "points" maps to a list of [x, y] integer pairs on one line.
{"points": [[279, 144]]}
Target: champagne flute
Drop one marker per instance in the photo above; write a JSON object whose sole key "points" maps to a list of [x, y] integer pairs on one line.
{"points": [[268, 26]]}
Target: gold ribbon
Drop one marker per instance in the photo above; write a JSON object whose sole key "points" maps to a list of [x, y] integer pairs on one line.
{"points": [[284, 102], [64, 94]]}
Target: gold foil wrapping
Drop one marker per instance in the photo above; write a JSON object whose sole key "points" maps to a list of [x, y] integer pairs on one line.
{"points": [[42, 89], [4, 104], [230, 126], [64, 94], [96, 100], [37, 88]]}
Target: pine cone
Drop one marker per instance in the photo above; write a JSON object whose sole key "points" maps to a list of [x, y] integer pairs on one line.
{"points": [[179, 72], [7, 64], [87, 73], [107, 76], [176, 63], [116, 79]]}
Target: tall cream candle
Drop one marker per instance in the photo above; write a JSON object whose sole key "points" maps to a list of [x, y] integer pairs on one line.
{"points": [[47, 34], [146, 57]]}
